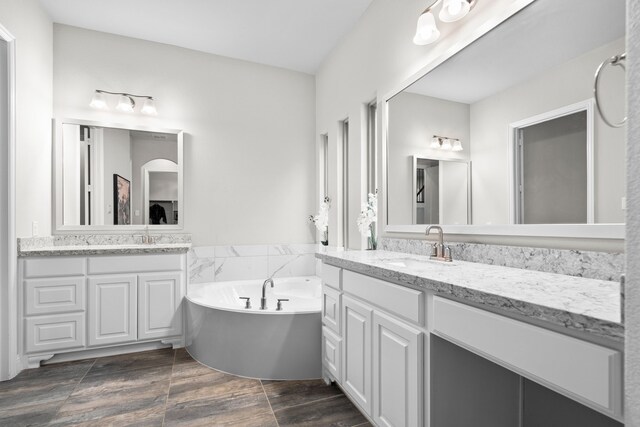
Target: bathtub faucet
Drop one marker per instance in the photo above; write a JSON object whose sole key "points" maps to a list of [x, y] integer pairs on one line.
{"points": [[263, 300]]}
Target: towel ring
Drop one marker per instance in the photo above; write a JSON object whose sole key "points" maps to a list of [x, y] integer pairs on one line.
{"points": [[614, 60]]}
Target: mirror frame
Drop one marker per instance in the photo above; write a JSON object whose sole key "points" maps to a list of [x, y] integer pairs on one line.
{"points": [[590, 231], [58, 226]]}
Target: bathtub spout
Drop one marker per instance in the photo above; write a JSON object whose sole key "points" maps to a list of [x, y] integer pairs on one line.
{"points": [[263, 300]]}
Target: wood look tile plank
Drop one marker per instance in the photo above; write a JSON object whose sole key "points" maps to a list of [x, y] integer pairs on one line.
{"points": [[116, 381], [186, 367], [336, 411], [132, 361], [35, 415], [283, 394], [142, 418], [35, 393], [231, 410], [88, 407], [215, 384]]}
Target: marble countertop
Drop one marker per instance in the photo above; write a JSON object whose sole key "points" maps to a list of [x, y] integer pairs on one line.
{"points": [[105, 249], [586, 305]]}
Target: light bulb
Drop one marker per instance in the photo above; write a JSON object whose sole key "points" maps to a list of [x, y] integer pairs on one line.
{"points": [[98, 101], [149, 107], [125, 104], [446, 145], [453, 10], [426, 31], [457, 145]]}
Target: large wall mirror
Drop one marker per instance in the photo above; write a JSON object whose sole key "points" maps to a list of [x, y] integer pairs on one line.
{"points": [[517, 105], [110, 177]]}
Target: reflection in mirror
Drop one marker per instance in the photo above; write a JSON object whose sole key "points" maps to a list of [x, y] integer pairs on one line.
{"points": [[441, 188], [113, 176], [494, 96]]}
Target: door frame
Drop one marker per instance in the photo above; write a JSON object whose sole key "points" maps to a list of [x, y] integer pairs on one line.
{"points": [[9, 358], [587, 105]]}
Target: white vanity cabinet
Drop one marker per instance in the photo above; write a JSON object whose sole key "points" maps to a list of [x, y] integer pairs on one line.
{"points": [[81, 303], [381, 343], [410, 357]]}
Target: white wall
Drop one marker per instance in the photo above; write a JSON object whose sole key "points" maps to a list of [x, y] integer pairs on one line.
{"points": [[413, 120], [632, 303], [566, 84], [249, 129], [32, 28]]}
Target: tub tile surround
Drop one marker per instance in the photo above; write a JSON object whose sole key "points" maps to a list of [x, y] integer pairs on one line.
{"points": [[102, 244], [246, 262], [593, 265], [582, 304]]}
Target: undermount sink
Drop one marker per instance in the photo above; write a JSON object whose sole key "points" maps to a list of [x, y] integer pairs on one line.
{"points": [[416, 264]]}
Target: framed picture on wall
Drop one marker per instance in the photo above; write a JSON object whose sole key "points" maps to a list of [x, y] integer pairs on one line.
{"points": [[121, 200]]}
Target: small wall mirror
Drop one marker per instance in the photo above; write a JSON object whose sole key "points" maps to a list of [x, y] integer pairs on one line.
{"points": [[111, 177], [517, 104]]}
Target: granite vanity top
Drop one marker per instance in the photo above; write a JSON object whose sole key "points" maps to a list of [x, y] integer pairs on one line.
{"points": [[106, 249], [70, 245], [586, 305]]}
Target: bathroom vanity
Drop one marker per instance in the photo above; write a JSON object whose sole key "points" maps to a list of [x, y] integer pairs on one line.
{"points": [[94, 298], [415, 342]]}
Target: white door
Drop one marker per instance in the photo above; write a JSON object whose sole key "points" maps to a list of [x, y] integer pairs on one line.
{"points": [[159, 313], [356, 366], [112, 309], [397, 373]]}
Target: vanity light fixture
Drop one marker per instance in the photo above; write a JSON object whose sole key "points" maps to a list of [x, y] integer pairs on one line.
{"points": [[445, 144], [452, 10], [126, 103]]}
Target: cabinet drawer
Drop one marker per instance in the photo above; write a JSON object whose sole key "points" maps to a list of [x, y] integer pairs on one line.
{"points": [[585, 372], [403, 302], [331, 308], [134, 264], [48, 296], [331, 276], [331, 353], [53, 267], [55, 332]]}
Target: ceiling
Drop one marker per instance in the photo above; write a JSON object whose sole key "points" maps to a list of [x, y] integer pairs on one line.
{"points": [[292, 34], [545, 34]]}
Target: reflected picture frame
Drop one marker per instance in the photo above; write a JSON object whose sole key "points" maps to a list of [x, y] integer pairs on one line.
{"points": [[121, 200]]}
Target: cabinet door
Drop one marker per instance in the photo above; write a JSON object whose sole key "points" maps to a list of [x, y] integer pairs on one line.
{"points": [[397, 372], [356, 366], [159, 297], [331, 308], [112, 309], [331, 353]]}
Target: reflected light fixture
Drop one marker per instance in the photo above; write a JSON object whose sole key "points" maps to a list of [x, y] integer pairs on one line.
{"points": [[126, 103], [446, 144], [452, 10]]}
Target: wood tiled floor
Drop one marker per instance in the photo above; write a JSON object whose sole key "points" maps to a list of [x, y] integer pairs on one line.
{"points": [[165, 387]]}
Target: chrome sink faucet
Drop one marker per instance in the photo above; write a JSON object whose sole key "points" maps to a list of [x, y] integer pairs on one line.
{"points": [[263, 300], [439, 251]]}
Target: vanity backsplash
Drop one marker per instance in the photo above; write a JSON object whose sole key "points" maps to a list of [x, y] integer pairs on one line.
{"points": [[594, 265]]}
